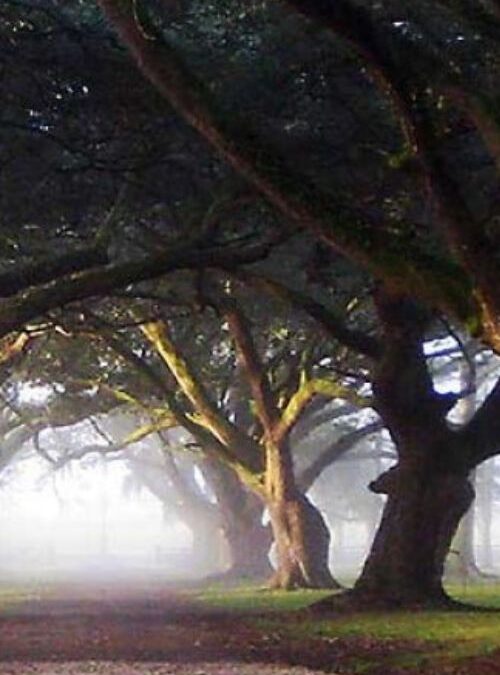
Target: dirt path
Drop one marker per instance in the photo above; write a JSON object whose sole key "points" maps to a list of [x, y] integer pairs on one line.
{"points": [[120, 630], [139, 630], [124, 668]]}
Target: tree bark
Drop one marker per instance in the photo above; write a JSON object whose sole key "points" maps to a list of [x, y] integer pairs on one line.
{"points": [[302, 542], [428, 491], [406, 563], [249, 543]]}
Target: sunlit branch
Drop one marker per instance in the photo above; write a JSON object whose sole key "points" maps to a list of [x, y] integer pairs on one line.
{"points": [[14, 346], [205, 440], [307, 390], [237, 444]]}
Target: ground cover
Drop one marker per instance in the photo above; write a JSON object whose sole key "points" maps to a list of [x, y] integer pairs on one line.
{"points": [[425, 641], [217, 631]]}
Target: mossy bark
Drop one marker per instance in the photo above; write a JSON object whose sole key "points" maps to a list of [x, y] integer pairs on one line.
{"points": [[301, 537], [302, 542]]}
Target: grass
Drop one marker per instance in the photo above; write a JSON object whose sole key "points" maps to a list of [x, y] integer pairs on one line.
{"points": [[486, 594], [439, 637], [383, 640], [13, 594], [253, 599]]}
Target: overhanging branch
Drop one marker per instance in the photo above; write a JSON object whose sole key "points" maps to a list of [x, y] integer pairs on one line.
{"points": [[31, 303], [398, 261]]}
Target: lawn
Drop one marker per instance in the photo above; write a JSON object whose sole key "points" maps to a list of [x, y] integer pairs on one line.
{"points": [[13, 594], [437, 640], [368, 643]]}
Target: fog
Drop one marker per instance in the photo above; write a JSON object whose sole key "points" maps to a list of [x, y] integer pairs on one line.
{"points": [[83, 521], [71, 506]]}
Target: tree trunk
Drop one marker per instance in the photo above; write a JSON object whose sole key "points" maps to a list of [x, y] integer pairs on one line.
{"points": [[428, 491], [248, 541], [405, 565], [209, 548], [249, 544], [302, 542]]}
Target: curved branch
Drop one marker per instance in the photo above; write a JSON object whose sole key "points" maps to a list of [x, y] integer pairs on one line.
{"points": [[334, 452], [481, 436], [331, 323], [237, 443], [97, 281], [306, 391], [206, 440], [406, 267], [465, 237]]}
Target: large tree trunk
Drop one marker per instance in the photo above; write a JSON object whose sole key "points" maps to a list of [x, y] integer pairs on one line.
{"points": [[428, 491], [406, 563], [249, 543], [247, 539], [302, 542], [301, 536]]}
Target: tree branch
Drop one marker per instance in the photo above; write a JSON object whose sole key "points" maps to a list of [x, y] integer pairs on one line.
{"points": [[332, 324], [334, 452], [265, 403], [237, 443], [97, 281], [306, 391], [467, 238], [439, 282], [206, 440], [481, 436], [50, 268]]}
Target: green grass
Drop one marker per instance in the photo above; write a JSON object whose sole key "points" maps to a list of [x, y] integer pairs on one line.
{"points": [[439, 637], [252, 599], [409, 639], [13, 594], [486, 594]]}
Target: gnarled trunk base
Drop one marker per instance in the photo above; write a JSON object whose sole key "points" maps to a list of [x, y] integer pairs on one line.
{"points": [[302, 542], [406, 564]]}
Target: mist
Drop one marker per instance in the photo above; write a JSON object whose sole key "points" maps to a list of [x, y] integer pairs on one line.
{"points": [[86, 521]]}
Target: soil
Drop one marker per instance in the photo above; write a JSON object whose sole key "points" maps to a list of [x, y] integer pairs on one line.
{"points": [[123, 630]]}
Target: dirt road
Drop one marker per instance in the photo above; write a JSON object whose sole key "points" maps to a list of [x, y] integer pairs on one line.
{"points": [[120, 630]]}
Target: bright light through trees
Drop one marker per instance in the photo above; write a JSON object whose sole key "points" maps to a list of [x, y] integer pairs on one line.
{"points": [[79, 521]]}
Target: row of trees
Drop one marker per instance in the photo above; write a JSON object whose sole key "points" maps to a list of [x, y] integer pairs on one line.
{"points": [[380, 232]]}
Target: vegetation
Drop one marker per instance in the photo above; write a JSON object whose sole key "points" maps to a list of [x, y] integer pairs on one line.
{"points": [[219, 215], [407, 640]]}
